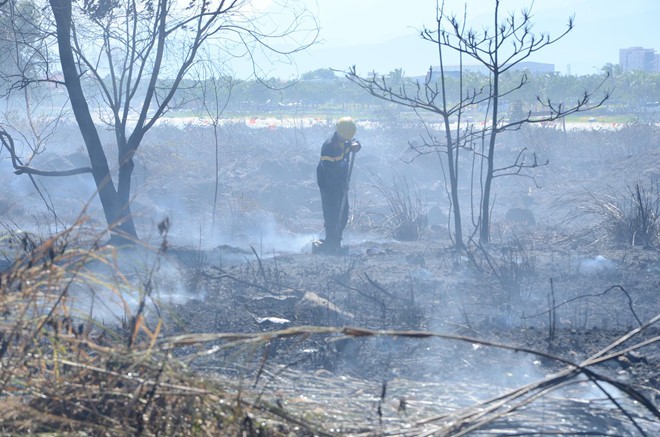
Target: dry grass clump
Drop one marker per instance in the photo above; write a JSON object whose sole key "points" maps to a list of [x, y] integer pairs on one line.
{"points": [[60, 373], [630, 218], [407, 220], [513, 265], [634, 218]]}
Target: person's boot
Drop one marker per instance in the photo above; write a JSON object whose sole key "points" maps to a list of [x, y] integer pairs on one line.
{"points": [[334, 247], [323, 247], [330, 245]]}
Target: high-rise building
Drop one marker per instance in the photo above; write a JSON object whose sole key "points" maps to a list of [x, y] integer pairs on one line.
{"points": [[638, 59]]}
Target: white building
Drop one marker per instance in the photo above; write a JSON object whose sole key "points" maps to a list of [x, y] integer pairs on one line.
{"points": [[531, 67], [639, 59]]}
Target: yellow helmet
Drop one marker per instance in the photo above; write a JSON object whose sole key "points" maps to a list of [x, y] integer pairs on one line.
{"points": [[346, 128]]}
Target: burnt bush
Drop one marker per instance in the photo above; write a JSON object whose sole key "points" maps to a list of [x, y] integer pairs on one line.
{"points": [[407, 218], [634, 217]]}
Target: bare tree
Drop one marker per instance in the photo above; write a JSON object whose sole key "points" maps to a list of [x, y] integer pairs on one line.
{"points": [[427, 97], [500, 50], [509, 43], [136, 54], [216, 92]]}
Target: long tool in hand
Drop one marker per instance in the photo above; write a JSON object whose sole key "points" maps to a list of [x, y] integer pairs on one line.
{"points": [[348, 182]]}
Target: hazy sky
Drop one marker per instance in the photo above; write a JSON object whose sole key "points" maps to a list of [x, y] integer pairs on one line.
{"points": [[382, 35]]}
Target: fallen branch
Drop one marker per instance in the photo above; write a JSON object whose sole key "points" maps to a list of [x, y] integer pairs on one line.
{"points": [[613, 287]]}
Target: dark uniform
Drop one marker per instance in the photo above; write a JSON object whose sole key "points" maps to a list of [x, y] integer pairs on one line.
{"points": [[332, 178]]}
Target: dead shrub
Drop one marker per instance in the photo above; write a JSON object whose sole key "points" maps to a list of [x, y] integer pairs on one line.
{"points": [[407, 218], [630, 218], [513, 265]]}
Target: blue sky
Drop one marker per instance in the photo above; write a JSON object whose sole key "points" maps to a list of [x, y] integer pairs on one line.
{"points": [[382, 35]]}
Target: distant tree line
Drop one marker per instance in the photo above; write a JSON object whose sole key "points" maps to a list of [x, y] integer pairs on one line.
{"points": [[324, 90]]}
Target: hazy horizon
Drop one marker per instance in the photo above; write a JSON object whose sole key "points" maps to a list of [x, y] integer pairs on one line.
{"points": [[381, 36]]}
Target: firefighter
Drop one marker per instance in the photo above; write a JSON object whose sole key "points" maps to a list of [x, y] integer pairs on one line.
{"points": [[333, 175]]}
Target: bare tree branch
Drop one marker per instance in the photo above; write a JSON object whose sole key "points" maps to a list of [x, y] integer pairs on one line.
{"points": [[28, 170]]}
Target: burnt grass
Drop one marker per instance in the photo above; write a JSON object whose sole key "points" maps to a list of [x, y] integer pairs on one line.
{"points": [[547, 292], [558, 285], [416, 286]]}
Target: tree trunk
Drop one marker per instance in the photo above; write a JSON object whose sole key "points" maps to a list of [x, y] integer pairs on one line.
{"points": [[126, 167], [453, 182], [115, 208], [484, 231], [458, 225]]}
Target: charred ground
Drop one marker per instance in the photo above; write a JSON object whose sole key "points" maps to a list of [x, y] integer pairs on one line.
{"points": [[261, 316], [558, 285]]}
